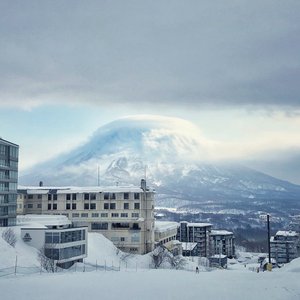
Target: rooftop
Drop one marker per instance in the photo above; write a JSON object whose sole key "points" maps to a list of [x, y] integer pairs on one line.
{"points": [[43, 220]]}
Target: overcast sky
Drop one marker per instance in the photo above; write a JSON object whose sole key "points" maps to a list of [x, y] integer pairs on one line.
{"points": [[231, 67]]}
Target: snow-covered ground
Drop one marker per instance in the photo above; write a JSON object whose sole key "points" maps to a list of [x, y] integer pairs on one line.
{"points": [[138, 281]]}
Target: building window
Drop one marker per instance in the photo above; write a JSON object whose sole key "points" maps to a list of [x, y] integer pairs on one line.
{"points": [[75, 215], [49, 197], [104, 215], [106, 206], [135, 215], [93, 206], [30, 196], [39, 205], [86, 206], [126, 196], [126, 205], [84, 215], [68, 206], [93, 196], [124, 215], [136, 205], [49, 206], [136, 196], [122, 239], [54, 206], [73, 205], [119, 225], [99, 226], [73, 196], [30, 205], [95, 215], [86, 196], [115, 215], [112, 206], [55, 197], [106, 196], [39, 196], [68, 196]]}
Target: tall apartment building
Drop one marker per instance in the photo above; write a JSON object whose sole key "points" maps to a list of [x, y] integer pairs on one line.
{"points": [[9, 154], [122, 214], [285, 246], [196, 233], [222, 242]]}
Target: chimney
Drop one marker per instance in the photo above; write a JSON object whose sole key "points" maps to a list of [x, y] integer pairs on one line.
{"points": [[143, 185], [41, 183]]}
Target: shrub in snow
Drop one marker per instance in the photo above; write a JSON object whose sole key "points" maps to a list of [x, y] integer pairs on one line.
{"points": [[47, 263], [10, 237]]}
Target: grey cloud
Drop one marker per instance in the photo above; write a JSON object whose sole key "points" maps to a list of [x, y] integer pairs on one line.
{"points": [[193, 52]]}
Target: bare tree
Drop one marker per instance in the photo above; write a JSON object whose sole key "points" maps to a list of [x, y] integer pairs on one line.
{"points": [[9, 236], [47, 263]]}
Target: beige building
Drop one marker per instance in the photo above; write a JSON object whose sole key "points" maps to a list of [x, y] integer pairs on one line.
{"points": [[124, 215]]}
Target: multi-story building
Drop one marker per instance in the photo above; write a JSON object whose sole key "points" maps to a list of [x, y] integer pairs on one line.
{"points": [[195, 233], [122, 214], [9, 154], [222, 242], [56, 237], [285, 246]]}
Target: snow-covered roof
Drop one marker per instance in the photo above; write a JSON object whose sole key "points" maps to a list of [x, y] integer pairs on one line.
{"points": [[74, 189], [188, 246], [221, 232], [287, 233], [198, 224], [164, 225], [218, 256], [43, 220]]}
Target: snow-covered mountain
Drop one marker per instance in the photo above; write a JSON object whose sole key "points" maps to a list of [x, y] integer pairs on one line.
{"points": [[172, 155]]}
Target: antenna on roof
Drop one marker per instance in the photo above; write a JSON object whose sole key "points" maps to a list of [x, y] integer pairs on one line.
{"points": [[98, 169]]}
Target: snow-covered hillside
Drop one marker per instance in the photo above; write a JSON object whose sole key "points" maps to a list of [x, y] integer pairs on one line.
{"points": [[135, 282]]}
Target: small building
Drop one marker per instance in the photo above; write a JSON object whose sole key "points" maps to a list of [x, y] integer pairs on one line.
{"points": [[218, 261], [165, 234], [56, 237], [189, 249], [222, 242], [285, 246]]}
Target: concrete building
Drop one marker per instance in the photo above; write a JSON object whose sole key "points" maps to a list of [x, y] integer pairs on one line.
{"points": [[285, 246], [222, 242], [124, 215], [165, 234], [9, 154], [56, 237], [195, 233]]}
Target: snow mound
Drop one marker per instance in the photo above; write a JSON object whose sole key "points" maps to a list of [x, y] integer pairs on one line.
{"points": [[293, 266]]}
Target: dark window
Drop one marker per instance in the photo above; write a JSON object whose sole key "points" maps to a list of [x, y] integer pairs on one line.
{"points": [[113, 196], [106, 206], [49, 197], [55, 206], [39, 196], [120, 225], [136, 206], [136, 196], [126, 196], [49, 206], [30, 196], [86, 206], [106, 196], [73, 196], [93, 196], [99, 226], [55, 197], [68, 206], [126, 205], [68, 196], [73, 205], [112, 206], [39, 205], [86, 196], [93, 206], [30, 206]]}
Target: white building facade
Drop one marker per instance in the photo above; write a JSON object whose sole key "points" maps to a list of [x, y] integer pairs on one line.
{"points": [[222, 242], [56, 237], [124, 215]]}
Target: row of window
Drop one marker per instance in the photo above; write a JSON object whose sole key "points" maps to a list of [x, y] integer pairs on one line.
{"points": [[64, 237], [88, 206], [104, 215], [104, 226], [8, 186], [65, 253], [8, 163], [92, 196], [6, 150]]}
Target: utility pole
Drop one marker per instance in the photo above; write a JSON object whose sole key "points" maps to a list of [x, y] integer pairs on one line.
{"points": [[269, 247]]}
